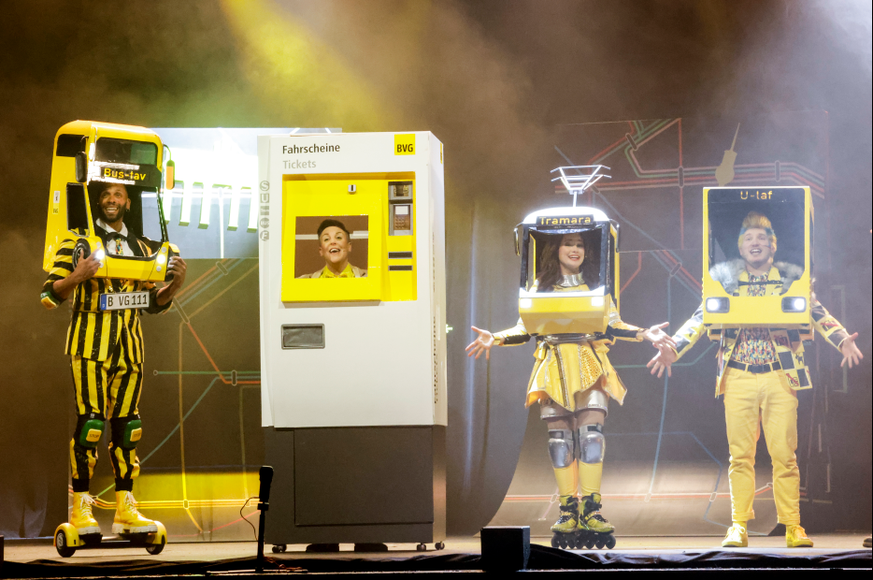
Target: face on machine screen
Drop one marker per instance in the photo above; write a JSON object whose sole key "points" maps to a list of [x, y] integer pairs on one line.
{"points": [[755, 248], [334, 247], [571, 254]]}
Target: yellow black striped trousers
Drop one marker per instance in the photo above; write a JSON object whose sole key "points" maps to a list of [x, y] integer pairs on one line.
{"points": [[109, 389]]}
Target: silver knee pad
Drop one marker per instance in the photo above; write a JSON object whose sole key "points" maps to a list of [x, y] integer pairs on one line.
{"points": [[591, 443], [561, 447]]}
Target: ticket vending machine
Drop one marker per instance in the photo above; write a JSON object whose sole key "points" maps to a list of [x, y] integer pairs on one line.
{"points": [[353, 366]]}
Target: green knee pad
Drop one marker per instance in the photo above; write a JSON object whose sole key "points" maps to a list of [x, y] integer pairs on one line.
{"points": [[126, 431], [89, 430]]}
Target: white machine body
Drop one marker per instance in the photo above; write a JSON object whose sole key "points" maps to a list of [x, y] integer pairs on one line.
{"points": [[383, 359]]}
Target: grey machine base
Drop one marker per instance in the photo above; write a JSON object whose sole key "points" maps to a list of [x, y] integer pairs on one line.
{"points": [[356, 485]]}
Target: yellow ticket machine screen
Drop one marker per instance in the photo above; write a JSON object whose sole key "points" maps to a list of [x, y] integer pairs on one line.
{"points": [[348, 237]]}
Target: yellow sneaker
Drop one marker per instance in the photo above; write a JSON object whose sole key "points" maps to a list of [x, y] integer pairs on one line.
{"points": [[795, 537], [127, 519], [82, 517], [736, 537]]}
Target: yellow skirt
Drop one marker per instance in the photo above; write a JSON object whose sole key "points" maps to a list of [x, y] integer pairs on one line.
{"points": [[562, 370]]}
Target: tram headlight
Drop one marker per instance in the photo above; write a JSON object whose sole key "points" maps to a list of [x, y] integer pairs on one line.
{"points": [[718, 305], [793, 304]]}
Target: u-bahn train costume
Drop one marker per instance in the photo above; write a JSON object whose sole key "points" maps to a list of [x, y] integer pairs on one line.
{"points": [[759, 370]]}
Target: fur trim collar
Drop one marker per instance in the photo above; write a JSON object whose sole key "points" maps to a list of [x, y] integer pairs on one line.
{"points": [[728, 274]]}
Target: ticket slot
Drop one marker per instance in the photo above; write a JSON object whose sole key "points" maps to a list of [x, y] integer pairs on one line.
{"points": [[302, 336]]}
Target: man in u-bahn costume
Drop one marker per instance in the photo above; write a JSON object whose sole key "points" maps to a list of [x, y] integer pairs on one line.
{"points": [[759, 370]]}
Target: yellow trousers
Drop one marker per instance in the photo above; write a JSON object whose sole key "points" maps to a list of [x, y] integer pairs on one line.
{"points": [[751, 401]]}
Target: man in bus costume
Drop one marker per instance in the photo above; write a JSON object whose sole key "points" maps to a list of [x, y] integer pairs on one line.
{"points": [[759, 370], [106, 353]]}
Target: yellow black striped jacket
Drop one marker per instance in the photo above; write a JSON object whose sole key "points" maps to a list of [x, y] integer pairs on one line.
{"points": [[95, 334]]}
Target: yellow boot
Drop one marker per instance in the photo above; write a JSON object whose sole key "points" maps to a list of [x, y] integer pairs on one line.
{"points": [[127, 519], [82, 517], [795, 537]]}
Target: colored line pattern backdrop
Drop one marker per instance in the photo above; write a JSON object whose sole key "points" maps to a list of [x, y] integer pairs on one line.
{"points": [[665, 472]]}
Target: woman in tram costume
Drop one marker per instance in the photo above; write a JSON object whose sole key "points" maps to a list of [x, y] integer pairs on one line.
{"points": [[573, 381]]}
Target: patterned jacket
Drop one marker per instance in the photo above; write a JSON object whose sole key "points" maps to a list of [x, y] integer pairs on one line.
{"points": [[95, 334], [787, 343]]}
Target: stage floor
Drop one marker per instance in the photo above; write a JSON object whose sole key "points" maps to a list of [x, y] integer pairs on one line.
{"points": [[38, 558]]}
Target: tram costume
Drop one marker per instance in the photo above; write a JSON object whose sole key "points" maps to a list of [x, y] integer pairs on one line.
{"points": [[106, 354], [572, 373], [759, 370]]}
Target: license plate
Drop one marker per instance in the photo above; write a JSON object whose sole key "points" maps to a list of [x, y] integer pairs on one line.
{"points": [[123, 300]]}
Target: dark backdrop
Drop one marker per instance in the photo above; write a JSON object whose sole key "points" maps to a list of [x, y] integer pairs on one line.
{"points": [[492, 80]]}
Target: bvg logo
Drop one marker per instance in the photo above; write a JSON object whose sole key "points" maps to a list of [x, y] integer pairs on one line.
{"points": [[404, 144]]}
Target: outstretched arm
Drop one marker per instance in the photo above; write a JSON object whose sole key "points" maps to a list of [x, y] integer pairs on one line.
{"points": [[483, 343], [689, 333], [850, 351], [509, 337], [683, 340], [835, 333], [658, 337], [663, 361], [620, 329]]}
